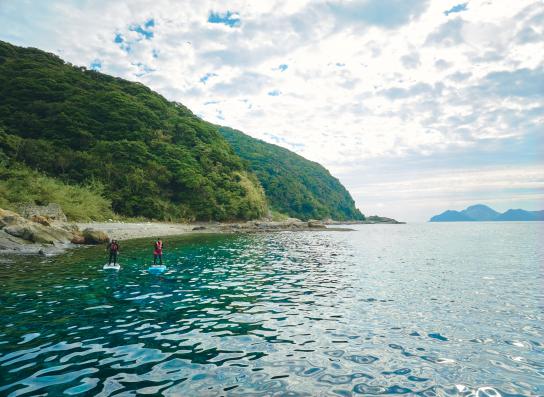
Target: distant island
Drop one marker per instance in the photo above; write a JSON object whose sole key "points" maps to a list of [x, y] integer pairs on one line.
{"points": [[483, 213]]}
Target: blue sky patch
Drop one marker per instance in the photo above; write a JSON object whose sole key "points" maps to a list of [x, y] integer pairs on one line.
{"points": [[96, 65], [283, 67], [206, 77], [457, 8], [144, 30], [274, 93], [228, 18], [124, 45]]}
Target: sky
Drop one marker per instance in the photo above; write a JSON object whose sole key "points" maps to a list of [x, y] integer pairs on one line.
{"points": [[415, 106]]}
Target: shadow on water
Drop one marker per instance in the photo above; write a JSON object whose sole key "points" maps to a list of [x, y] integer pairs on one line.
{"points": [[286, 313]]}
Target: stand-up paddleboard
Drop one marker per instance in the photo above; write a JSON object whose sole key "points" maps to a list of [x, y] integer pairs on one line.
{"points": [[156, 269], [111, 267]]}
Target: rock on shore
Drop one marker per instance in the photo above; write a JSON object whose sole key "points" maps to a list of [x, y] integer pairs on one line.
{"points": [[41, 235]]}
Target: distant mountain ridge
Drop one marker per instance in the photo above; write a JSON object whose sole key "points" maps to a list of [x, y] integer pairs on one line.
{"points": [[483, 213]]}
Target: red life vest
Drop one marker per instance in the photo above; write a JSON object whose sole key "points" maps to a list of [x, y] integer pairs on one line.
{"points": [[158, 247], [114, 247]]}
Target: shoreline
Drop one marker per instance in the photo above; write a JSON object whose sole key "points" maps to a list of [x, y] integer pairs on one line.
{"points": [[129, 231], [100, 232]]}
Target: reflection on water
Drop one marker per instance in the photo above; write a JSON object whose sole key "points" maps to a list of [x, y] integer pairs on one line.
{"points": [[428, 309]]}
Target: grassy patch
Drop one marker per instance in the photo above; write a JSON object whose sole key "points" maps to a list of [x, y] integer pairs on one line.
{"points": [[20, 185]]}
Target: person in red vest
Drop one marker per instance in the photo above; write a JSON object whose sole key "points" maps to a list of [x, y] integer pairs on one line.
{"points": [[113, 248], [157, 253]]}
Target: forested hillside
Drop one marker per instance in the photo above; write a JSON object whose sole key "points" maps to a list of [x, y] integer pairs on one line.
{"points": [[97, 144], [116, 140], [294, 185]]}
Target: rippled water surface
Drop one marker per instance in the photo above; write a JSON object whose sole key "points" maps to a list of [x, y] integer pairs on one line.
{"points": [[429, 309]]}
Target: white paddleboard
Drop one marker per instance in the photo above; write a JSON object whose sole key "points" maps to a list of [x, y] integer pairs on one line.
{"points": [[156, 269], [111, 267]]}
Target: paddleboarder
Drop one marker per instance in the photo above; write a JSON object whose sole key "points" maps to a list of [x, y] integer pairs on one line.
{"points": [[157, 252], [113, 248]]}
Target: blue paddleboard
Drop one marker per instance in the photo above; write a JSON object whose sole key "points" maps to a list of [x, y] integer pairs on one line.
{"points": [[156, 269]]}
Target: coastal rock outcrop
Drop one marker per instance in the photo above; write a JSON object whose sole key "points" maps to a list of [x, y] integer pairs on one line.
{"points": [[78, 239], [8, 218], [41, 234], [38, 233], [93, 236]]}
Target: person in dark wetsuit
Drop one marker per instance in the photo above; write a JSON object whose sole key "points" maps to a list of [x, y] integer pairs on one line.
{"points": [[113, 248], [157, 252]]}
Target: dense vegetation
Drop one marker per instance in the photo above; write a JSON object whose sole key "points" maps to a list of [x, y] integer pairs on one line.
{"points": [[116, 140], [294, 185], [83, 203]]}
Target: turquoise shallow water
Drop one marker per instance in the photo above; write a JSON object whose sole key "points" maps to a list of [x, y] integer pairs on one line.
{"points": [[426, 309]]}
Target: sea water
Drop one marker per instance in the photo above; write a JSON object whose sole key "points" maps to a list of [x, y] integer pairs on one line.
{"points": [[426, 309]]}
